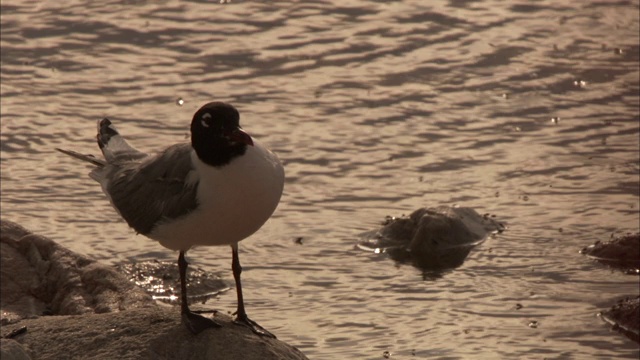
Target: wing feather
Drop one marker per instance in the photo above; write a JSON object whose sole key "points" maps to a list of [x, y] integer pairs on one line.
{"points": [[157, 189]]}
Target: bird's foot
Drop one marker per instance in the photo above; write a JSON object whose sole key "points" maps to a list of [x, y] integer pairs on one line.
{"points": [[253, 326], [198, 323]]}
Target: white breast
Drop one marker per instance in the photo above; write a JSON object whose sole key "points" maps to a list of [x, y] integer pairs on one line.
{"points": [[234, 201]]}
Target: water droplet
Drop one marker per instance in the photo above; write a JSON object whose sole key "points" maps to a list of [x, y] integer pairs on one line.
{"points": [[225, 1], [555, 120], [579, 83], [179, 102], [386, 354], [533, 324], [618, 51], [505, 95], [517, 128]]}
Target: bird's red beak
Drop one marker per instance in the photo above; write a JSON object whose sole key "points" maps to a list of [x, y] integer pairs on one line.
{"points": [[238, 135]]}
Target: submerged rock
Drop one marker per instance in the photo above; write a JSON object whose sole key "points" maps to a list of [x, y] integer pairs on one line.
{"points": [[623, 252], [625, 317], [433, 239], [96, 312]]}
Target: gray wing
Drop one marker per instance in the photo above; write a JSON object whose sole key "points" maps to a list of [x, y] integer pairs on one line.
{"points": [[155, 189]]}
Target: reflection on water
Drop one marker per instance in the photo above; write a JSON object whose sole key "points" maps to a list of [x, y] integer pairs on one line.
{"points": [[524, 110], [161, 280]]}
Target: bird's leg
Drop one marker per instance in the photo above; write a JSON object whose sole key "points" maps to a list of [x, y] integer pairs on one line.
{"points": [[194, 322], [241, 315]]}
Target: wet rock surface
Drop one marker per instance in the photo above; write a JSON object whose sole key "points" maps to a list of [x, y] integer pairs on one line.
{"points": [[57, 304], [622, 252], [433, 239], [12, 350], [161, 280], [153, 332], [40, 277], [625, 317]]}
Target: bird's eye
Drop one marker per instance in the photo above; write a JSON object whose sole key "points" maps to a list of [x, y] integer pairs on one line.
{"points": [[204, 120]]}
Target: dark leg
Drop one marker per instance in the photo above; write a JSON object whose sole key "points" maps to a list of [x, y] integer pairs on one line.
{"points": [[194, 322], [241, 315]]}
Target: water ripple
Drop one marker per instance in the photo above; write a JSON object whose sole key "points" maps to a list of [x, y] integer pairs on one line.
{"points": [[524, 110]]}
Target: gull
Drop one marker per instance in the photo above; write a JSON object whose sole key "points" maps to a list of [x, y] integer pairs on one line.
{"points": [[216, 190]]}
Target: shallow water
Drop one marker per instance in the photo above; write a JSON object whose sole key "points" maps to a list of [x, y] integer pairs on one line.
{"points": [[529, 111]]}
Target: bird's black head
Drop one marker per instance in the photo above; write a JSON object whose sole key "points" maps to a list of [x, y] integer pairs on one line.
{"points": [[216, 135]]}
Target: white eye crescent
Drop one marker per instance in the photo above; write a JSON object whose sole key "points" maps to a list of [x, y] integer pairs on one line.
{"points": [[206, 116]]}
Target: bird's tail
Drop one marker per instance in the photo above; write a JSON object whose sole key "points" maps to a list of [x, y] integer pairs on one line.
{"points": [[114, 147], [88, 158]]}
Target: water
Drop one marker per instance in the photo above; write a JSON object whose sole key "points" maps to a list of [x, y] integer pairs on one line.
{"points": [[529, 111]]}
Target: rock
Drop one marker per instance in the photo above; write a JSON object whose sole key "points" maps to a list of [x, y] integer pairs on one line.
{"points": [[623, 252], [153, 332], [625, 317], [12, 350], [40, 277], [96, 312], [433, 239]]}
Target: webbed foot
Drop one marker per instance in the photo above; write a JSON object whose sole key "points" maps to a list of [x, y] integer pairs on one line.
{"points": [[253, 326], [198, 323]]}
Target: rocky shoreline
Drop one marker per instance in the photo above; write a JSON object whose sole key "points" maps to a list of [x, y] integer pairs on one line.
{"points": [[57, 304]]}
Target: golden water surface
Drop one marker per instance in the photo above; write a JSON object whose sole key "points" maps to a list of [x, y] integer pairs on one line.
{"points": [[527, 110]]}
